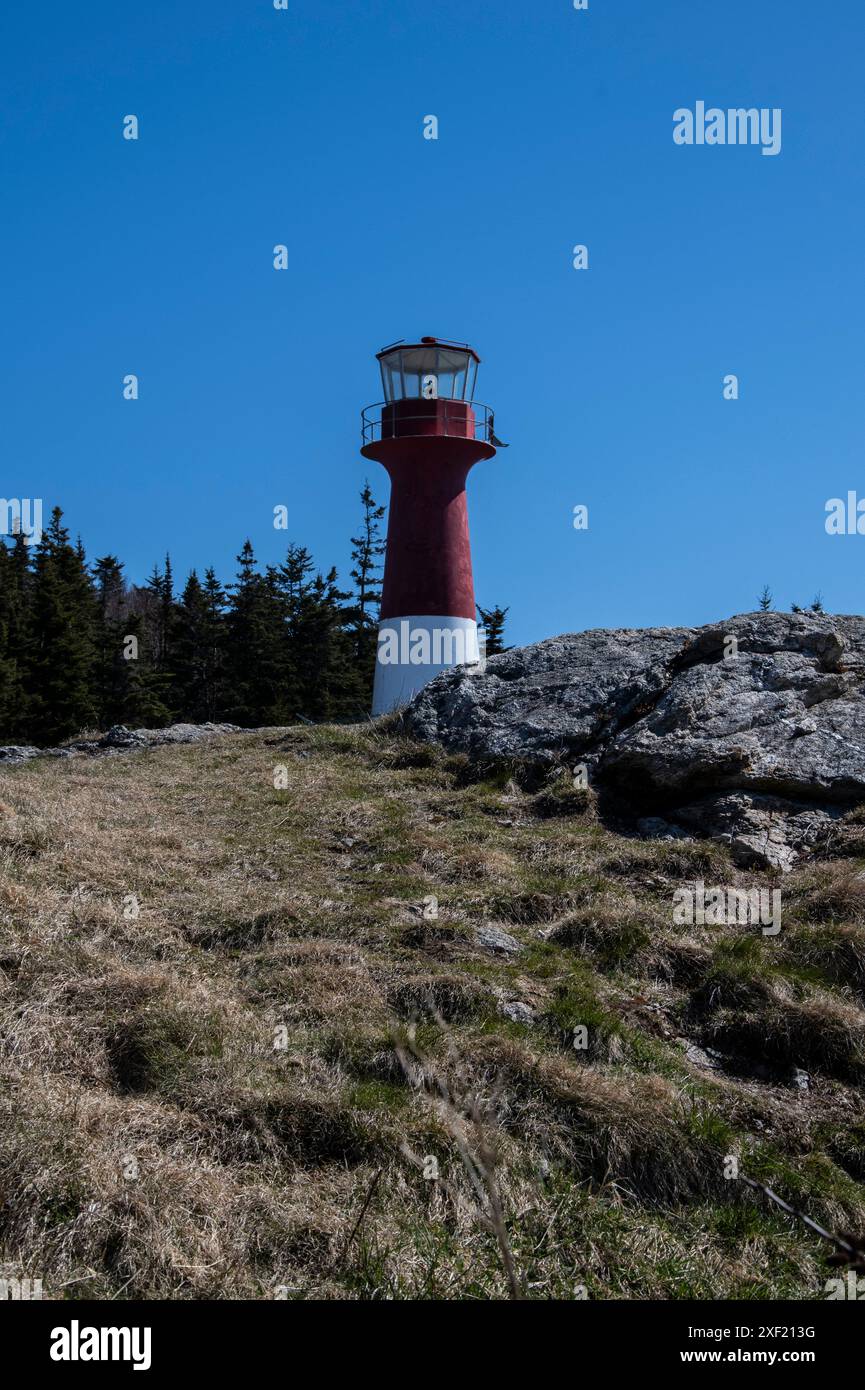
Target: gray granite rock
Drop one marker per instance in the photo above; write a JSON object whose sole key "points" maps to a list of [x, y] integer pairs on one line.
{"points": [[751, 730], [518, 1012], [12, 755], [118, 739], [496, 939]]}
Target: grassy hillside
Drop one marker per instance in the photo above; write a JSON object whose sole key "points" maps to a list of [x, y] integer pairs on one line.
{"points": [[243, 1091]]}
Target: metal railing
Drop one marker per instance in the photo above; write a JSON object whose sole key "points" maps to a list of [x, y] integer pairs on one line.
{"points": [[450, 418]]}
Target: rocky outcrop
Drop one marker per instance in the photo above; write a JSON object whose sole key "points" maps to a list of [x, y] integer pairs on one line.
{"points": [[117, 739], [750, 730]]}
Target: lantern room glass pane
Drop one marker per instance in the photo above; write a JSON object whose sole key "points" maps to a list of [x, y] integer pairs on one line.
{"points": [[472, 378], [390, 376]]}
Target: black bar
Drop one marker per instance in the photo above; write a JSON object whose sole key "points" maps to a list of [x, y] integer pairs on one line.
{"points": [[279, 1336]]}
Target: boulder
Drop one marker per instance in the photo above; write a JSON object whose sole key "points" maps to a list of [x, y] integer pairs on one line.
{"points": [[497, 940], [751, 730], [13, 754], [517, 1011]]}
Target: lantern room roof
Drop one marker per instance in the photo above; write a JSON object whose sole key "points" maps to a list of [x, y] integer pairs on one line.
{"points": [[428, 342]]}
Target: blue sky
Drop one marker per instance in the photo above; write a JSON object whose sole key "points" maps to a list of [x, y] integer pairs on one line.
{"points": [[304, 127]]}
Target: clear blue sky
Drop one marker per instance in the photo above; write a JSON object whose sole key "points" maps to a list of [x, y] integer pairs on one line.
{"points": [[304, 127]]}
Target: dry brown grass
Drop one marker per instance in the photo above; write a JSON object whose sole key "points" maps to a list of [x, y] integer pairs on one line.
{"points": [[204, 985]]}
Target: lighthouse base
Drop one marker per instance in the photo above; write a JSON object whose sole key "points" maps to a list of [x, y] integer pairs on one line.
{"points": [[412, 650]]}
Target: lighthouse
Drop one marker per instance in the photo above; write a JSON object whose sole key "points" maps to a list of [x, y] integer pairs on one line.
{"points": [[427, 432]]}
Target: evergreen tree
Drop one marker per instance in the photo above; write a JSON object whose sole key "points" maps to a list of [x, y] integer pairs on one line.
{"points": [[257, 657], [5, 666], [151, 622], [198, 642], [325, 681], [332, 684], [296, 587], [15, 639], [815, 606], [111, 674], [493, 622], [213, 641], [62, 626], [367, 551], [148, 702]]}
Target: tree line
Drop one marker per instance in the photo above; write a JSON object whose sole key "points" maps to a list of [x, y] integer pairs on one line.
{"points": [[83, 648]]}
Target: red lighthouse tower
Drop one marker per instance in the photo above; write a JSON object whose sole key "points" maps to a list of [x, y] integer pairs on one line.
{"points": [[428, 432]]}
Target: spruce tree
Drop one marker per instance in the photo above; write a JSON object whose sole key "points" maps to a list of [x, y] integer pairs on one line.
{"points": [[198, 648], [367, 550], [62, 626], [324, 680], [15, 639], [158, 624], [214, 638], [333, 684], [257, 657], [5, 670], [493, 622], [112, 678]]}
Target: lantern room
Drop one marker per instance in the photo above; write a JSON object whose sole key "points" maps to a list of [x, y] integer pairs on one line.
{"points": [[429, 370]]}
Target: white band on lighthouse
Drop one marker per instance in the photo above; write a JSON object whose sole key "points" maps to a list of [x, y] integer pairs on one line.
{"points": [[414, 649]]}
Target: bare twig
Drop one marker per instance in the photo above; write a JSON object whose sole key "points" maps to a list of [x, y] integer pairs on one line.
{"points": [[851, 1251], [363, 1211]]}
